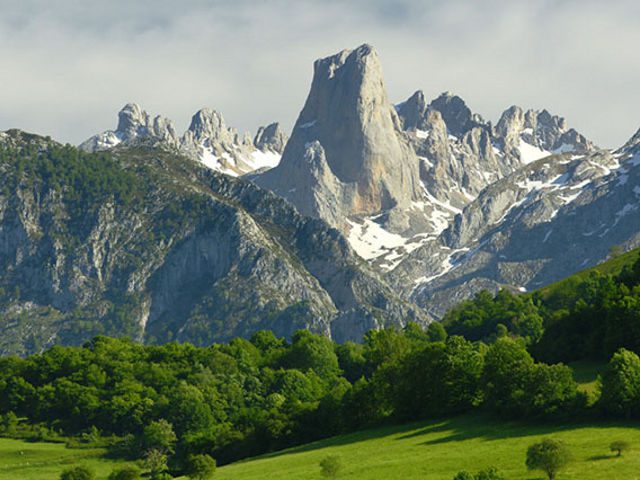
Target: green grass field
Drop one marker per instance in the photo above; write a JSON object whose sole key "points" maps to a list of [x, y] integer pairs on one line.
{"points": [[438, 450], [45, 461], [425, 450]]}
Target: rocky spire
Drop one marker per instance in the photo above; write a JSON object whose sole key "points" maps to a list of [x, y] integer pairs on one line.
{"points": [[540, 129], [455, 113], [349, 123], [271, 138], [209, 124], [413, 112], [135, 125]]}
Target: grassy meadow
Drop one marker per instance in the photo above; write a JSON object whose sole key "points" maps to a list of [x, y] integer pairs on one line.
{"points": [[45, 461], [425, 450], [437, 450]]}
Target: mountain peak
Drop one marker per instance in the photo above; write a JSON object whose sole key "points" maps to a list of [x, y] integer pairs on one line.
{"points": [[208, 123], [413, 111], [131, 116], [271, 138], [455, 113], [348, 113]]}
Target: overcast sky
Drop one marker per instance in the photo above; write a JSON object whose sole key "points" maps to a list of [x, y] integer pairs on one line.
{"points": [[67, 67]]}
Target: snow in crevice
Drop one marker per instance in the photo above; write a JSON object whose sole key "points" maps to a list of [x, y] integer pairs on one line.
{"points": [[453, 259], [564, 148], [426, 161], [308, 124]]}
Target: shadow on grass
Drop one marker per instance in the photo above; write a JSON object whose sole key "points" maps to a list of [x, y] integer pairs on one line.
{"points": [[491, 428], [597, 458], [463, 427]]}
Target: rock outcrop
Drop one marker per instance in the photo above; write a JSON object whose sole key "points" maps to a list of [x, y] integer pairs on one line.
{"points": [[134, 126], [546, 220], [347, 134], [167, 250], [207, 140], [271, 138]]}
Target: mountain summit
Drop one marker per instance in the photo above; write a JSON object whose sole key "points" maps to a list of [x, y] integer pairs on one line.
{"points": [[208, 140], [347, 155]]}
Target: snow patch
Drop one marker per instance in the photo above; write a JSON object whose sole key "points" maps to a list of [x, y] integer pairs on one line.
{"points": [[530, 153], [213, 162], [260, 159], [370, 240]]}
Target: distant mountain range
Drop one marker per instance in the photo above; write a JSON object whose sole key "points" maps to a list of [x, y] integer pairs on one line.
{"points": [[382, 214]]}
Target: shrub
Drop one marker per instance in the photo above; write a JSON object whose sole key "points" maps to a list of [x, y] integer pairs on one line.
{"points": [[201, 467], [125, 473], [619, 446], [78, 473], [621, 384], [549, 455], [490, 473], [330, 466]]}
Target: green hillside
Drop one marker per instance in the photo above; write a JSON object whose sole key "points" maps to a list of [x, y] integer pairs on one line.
{"points": [[569, 285], [438, 450], [424, 450], [45, 461]]}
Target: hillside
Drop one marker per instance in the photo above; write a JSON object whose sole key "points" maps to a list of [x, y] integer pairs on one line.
{"points": [[45, 461], [434, 450], [568, 286], [438, 450], [146, 243]]}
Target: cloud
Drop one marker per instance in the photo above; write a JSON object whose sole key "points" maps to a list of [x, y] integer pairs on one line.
{"points": [[68, 66]]}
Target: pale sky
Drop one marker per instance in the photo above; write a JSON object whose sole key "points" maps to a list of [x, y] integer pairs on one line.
{"points": [[67, 67]]}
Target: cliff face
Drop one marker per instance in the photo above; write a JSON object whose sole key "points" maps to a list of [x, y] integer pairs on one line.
{"points": [[347, 151], [146, 243]]}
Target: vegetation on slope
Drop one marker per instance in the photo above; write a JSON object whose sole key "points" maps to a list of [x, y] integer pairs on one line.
{"points": [[439, 449], [588, 316]]}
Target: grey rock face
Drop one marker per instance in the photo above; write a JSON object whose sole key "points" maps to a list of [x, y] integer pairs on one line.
{"points": [[134, 126], [542, 130], [207, 140], [413, 112], [347, 114], [632, 147], [244, 260], [455, 113], [461, 154], [219, 147], [271, 138], [537, 225]]}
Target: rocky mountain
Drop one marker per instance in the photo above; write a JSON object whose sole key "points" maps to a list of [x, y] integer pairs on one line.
{"points": [[554, 216], [347, 157], [207, 140], [492, 206], [393, 179], [144, 242], [377, 214]]}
